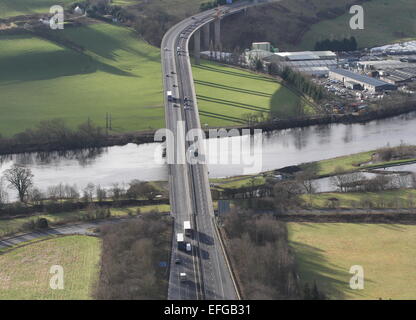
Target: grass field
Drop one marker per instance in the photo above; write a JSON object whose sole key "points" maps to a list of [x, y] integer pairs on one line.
{"points": [[351, 163], [344, 163], [11, 8], [385, 21], [24, 271], [118, 73], [226, 94], [178, 8], [11, 226], [325, 253], [386, 199]]}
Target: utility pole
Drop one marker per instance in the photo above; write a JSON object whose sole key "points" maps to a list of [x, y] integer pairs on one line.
{"points": [[106, 123]]}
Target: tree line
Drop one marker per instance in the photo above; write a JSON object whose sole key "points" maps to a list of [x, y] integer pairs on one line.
{"points": [[134, 259], [346, 44], [262, 256], [56, 132], [65, 196], [301, 82], [212, 4]]}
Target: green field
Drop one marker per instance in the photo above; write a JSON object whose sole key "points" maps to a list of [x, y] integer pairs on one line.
{"points": [[10, 226], [24, 271], [403, 198], [326, 251], [117, 73], [178, 8], [11, 8], [385, 21], [226, 94], [343, 163], [352, 162]]}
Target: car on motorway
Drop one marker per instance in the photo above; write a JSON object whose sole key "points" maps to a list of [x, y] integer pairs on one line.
{"points": [[182, 276], [177, 261], [188, 247]]}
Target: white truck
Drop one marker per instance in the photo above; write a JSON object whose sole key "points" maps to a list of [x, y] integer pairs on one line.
{"points": [[187, 228], [180, 240], [182, 276], [170, 96]]}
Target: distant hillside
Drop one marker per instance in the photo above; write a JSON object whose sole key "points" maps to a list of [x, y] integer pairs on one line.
{"points": [[10, 8], [288, 24], [283, 23], [385, 21]]}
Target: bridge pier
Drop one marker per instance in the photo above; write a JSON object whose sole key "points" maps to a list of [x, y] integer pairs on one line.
{"points": [[206, 32], [217, 34], [197, 46]]}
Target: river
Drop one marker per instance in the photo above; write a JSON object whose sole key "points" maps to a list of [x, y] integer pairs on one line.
{"points": [[121, 164]]}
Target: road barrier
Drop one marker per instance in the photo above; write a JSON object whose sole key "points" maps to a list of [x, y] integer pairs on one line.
{"points": [[227, 260]]}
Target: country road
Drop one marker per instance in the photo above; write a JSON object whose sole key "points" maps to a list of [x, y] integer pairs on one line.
{"points": [[76, 228]]}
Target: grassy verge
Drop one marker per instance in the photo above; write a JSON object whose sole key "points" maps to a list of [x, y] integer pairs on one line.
{"points": [[24, 271], [11, 226], [325, 253]]}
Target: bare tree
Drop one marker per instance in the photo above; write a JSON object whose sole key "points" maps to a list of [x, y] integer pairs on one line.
{"points": [[35, 196], [21, 179], [346, 181], [101, 193], [4, 196], [286, 195], [306, 180], [89, 192], [117, 192]]}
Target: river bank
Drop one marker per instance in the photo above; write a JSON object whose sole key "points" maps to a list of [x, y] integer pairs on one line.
{"points": [[9, 146], [279, 149]]}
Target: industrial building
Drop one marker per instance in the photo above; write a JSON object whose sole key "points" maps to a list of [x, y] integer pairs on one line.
{"points": [[314, 63], [381, 64], [351, 79], [399, 76], [265, 46], [306, 55]]}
